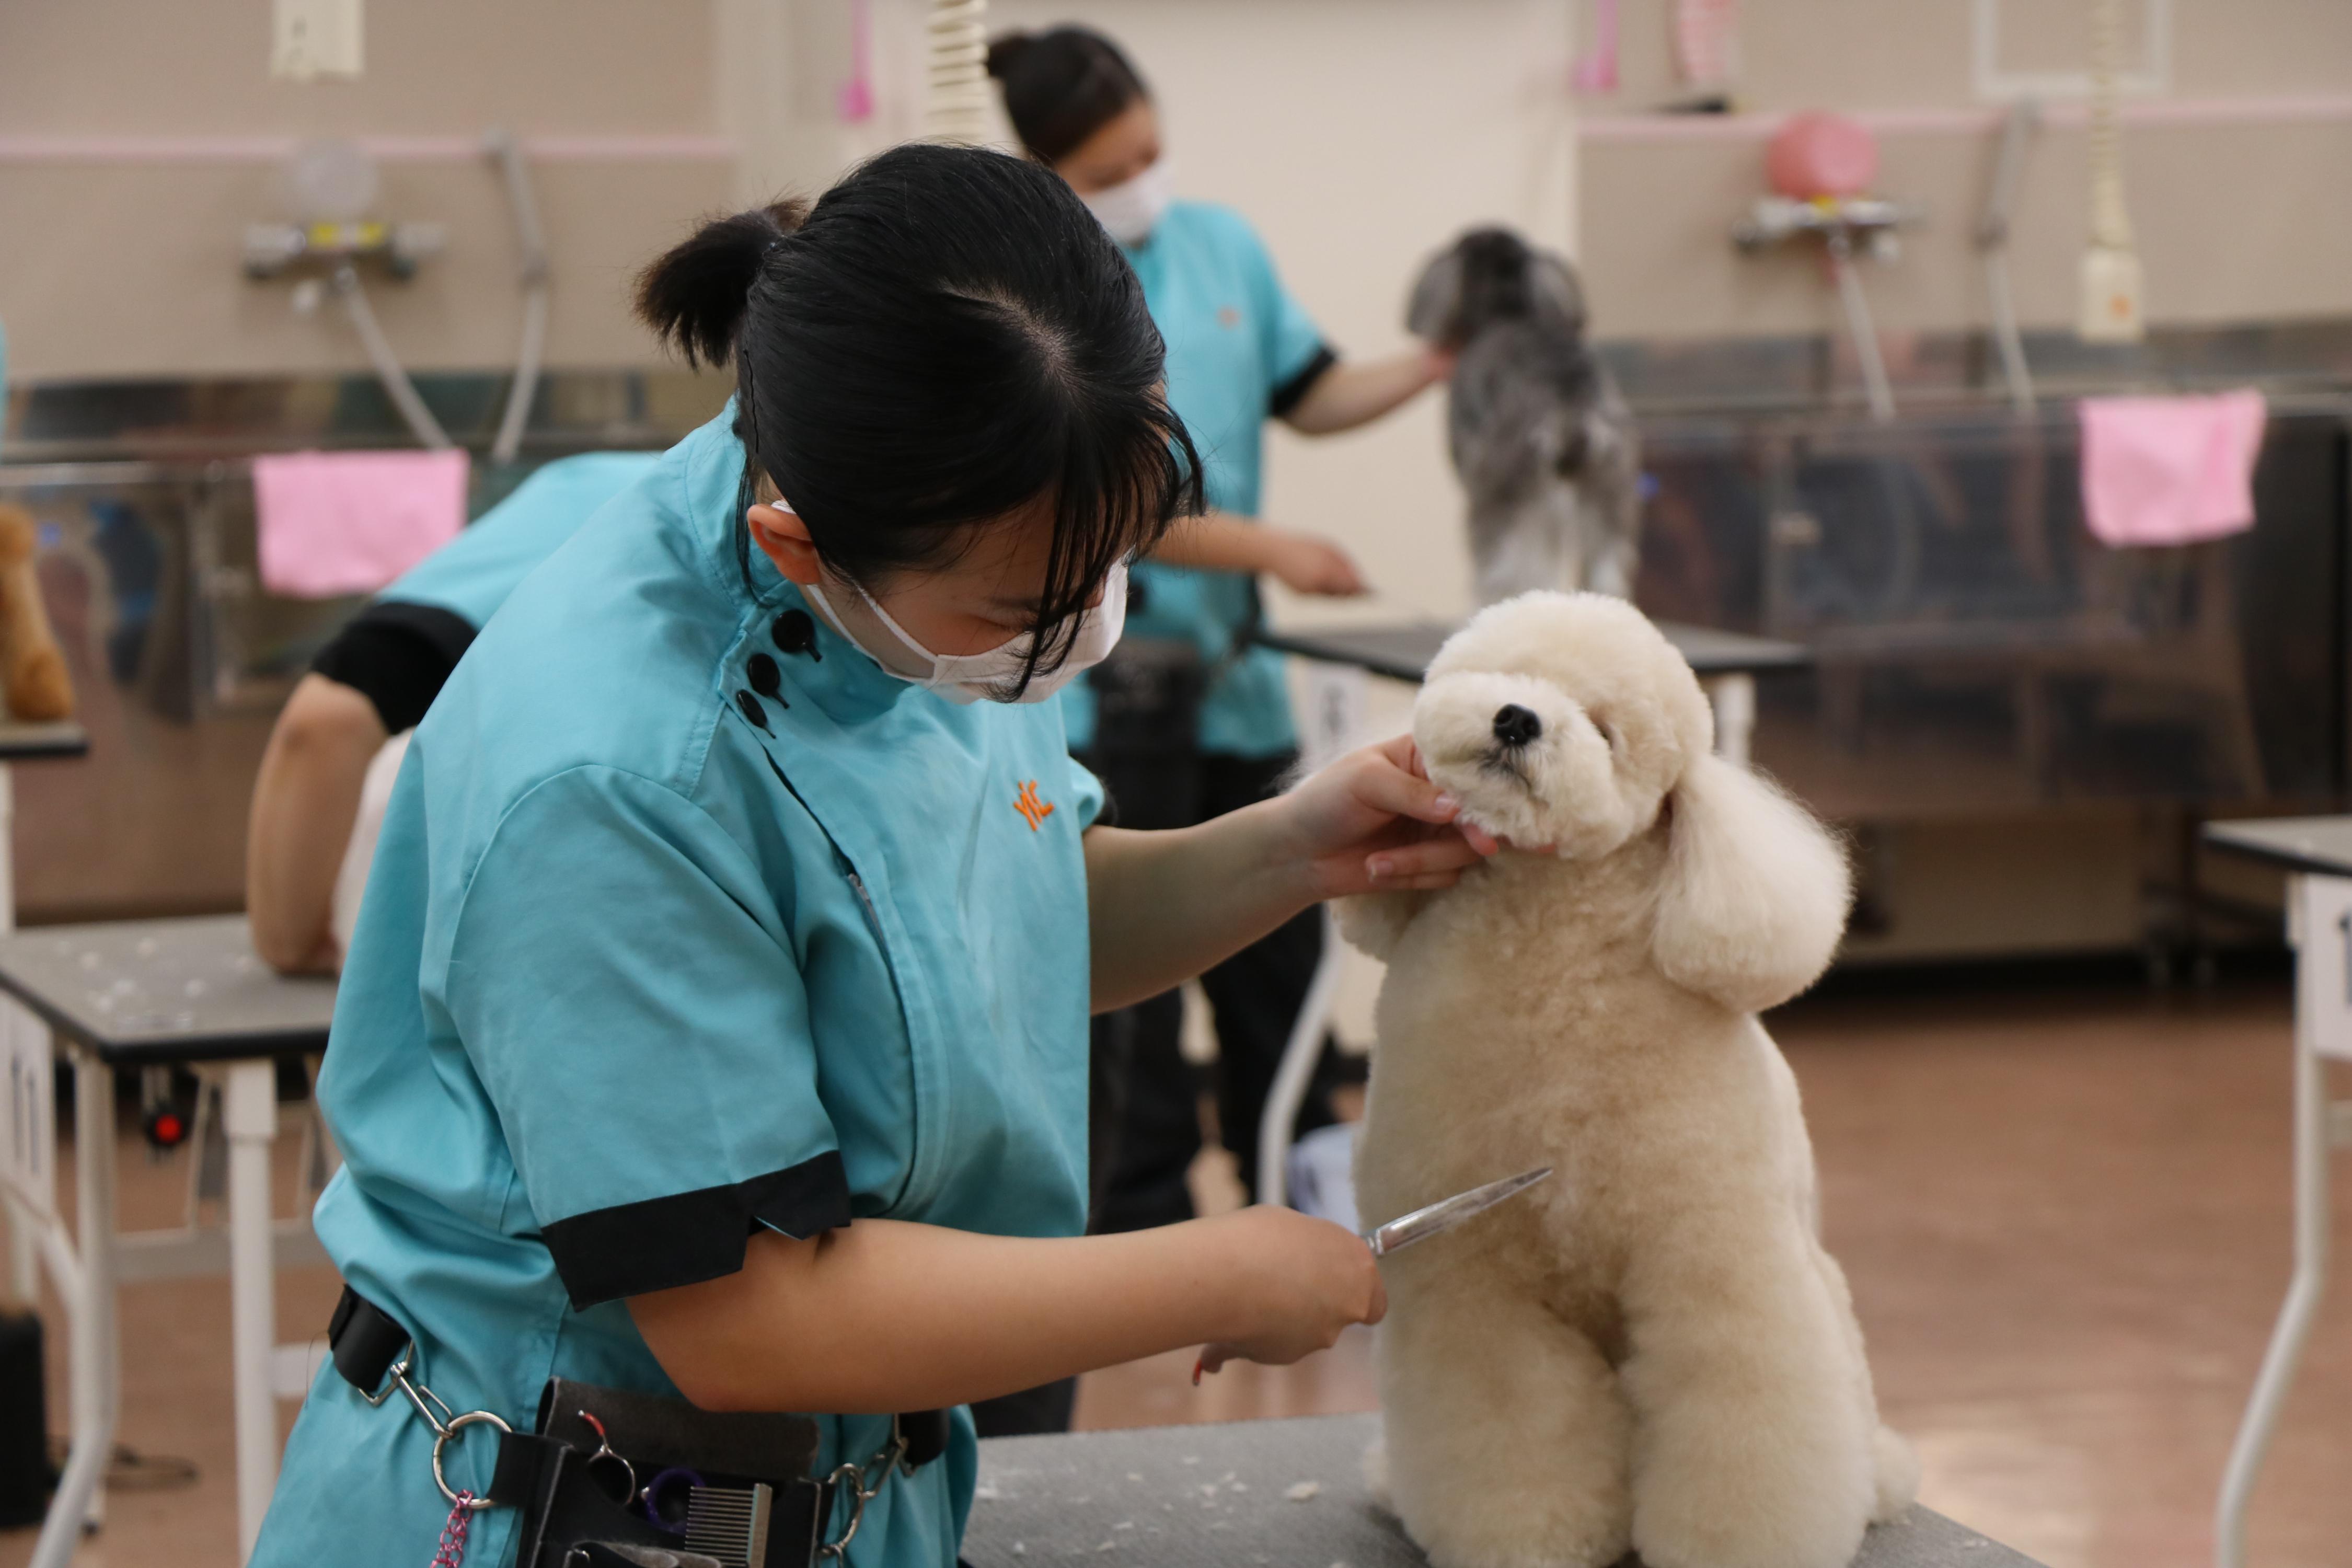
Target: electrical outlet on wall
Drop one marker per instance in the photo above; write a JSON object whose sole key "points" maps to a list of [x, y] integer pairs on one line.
{"points": [[2111, 310], [311, 39]]}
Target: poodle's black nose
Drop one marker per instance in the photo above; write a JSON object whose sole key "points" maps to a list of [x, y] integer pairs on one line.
{"points": [[1515, 726]]}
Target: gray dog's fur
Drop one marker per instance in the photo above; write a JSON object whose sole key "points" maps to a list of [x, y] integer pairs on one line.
{"points": [[1543, 443]]}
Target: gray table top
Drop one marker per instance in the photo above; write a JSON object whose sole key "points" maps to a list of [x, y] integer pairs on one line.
{"points": [[31, 743], [141, 993], [1225, 1496], [2322, 845], [1401, 650]]}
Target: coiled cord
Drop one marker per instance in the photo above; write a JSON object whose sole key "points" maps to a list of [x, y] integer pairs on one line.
{"points": [[956, 107]]}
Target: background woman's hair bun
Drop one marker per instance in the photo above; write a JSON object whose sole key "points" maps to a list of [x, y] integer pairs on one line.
{"points": [[695, 295], [1006, 49]]}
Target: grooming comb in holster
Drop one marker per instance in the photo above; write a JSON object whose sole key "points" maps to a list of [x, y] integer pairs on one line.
{"points": [[730, 1524]]}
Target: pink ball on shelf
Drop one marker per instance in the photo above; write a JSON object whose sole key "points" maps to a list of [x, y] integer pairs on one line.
{"points": [[1821, 155]]}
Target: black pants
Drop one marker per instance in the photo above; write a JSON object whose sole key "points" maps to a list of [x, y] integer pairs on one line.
{"points": [[1144, 1098], [1254, 997]]}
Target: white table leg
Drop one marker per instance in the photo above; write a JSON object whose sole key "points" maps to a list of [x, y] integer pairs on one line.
{"points": [[24, 1252], [1734, 699], [2309, 1282], [92, 1354], [1297, 1073], [1334, 712], [251, 1114], [24, 1248]]}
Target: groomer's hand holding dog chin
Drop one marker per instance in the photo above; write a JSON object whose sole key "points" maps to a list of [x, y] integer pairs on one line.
{"points": [[1374, 822]]}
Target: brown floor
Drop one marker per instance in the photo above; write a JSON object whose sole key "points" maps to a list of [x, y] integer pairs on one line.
{"points": [[2064, 1215]]}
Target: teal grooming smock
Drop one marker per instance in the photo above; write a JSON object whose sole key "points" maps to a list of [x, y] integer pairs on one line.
{"points": [[472, 574], [399, 651], [1240, 350], [686, 919]]}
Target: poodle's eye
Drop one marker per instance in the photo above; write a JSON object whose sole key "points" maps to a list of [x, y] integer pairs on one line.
{"points": [[1609, 733]]}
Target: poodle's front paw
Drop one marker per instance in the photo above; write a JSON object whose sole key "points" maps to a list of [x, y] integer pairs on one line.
{"points": [[1899, 1475]]}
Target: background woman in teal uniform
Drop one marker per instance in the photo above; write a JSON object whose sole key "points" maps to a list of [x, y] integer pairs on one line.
{"points": [[374, 681], [1240, 350], [716, 1023]]}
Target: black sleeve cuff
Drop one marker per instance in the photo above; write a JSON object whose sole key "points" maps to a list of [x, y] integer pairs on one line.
{"points": [[685, 1239], [1288, 395], [397, 655]]}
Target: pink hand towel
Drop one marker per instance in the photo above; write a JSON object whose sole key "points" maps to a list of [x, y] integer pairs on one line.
{"points": [[2170, 470], [334, 523]]}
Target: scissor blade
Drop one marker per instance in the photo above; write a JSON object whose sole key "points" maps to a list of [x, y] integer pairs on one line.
{"points": [[1447, 1213]]}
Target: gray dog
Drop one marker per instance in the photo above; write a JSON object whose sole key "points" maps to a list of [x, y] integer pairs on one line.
{"points": [[1543, 443]]}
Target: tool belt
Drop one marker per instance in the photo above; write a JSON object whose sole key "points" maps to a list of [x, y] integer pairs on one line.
{"points": [[615, 1476]]}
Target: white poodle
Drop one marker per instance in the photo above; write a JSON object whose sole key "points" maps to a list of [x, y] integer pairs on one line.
{"points": [[1651, 1350]]}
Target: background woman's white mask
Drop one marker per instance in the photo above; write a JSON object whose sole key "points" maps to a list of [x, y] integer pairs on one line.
{"points": [[1133, 208], [974, 676]]}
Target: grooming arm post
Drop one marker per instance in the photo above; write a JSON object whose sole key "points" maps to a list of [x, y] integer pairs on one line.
{"points": [[2309, 1282]]}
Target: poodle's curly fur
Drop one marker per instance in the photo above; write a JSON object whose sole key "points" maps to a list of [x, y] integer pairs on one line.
{"points": [[1651, 1351]]}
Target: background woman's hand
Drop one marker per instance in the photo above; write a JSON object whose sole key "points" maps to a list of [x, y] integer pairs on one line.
{"points": [[1305, 563], [1297, 1281], [1372, 822]]}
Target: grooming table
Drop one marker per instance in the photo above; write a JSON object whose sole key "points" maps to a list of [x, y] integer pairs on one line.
{"points": [[1726, 664], [2316, 854], [1213, 1497], [172, 993]]}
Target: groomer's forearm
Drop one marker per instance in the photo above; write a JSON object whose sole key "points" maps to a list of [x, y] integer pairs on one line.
{"points": [[305, 800], [888, 1316], [1163, 907], [1216, 542], [1350, 395]]}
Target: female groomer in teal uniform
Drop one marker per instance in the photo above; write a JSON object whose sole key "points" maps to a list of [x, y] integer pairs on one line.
{"points": [[716, 1022], [1240, 350]]}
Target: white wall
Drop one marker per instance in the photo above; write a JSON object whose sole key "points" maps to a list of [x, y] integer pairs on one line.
{"points": [[137, 141], [2230, 174], [1360, 136]]}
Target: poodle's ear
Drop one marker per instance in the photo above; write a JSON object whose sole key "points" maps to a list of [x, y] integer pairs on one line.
{"points": [[1556, 291], [1435, 314], [1755, 894], [1375, 922]]}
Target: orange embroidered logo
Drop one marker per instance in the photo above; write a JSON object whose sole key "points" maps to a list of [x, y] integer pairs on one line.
{"points": [[1034, 810]]}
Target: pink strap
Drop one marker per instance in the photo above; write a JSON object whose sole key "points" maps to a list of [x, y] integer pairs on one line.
{"points": [[451, 1551]]}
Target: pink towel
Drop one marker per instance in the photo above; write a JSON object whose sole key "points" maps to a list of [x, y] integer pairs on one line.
{"points": [[2170, 470], [334, 523]]}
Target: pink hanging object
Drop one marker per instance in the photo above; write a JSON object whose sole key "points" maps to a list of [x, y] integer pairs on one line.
{"points": [[2170, 470], [1596, 70], [1707, 43], [336, 523], [855, 102], [1819, 154]]}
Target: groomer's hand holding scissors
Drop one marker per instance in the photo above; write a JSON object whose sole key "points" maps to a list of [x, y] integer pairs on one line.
{"points": [[1300, 1281]]}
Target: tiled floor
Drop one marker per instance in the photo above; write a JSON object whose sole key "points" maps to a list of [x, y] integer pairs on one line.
{"points": [[2064, 1213]]}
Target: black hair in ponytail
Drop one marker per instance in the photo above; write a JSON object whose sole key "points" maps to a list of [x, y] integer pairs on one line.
{"points": [[1062, 86], [947, 338]]}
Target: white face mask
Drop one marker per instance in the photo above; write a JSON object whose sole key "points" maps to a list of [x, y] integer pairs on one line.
{"points": [[1133, 208], [973, 677]]}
